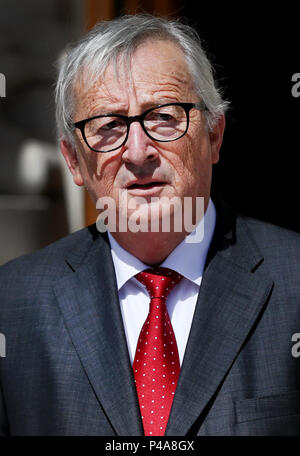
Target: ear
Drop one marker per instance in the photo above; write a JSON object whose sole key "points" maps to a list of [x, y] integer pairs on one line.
{"points": [[216, 138], [70, 155]]}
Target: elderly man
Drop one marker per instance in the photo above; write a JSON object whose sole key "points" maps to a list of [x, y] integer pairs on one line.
{"points": [[150, 331]]}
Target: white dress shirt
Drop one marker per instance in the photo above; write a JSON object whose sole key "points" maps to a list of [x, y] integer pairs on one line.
{"points": [[188, 259]]}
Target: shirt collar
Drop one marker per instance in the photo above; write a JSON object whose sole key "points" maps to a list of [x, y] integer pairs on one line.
{"points": [[188, 258]]}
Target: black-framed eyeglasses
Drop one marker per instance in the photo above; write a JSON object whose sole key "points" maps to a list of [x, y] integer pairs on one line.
{"points": [[163, 123]]}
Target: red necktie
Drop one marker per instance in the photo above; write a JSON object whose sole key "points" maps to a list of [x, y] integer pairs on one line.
{"points": [[156, 364]]}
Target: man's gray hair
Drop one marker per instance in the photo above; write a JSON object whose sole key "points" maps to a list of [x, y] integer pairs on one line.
{"points": [[86, 60]]}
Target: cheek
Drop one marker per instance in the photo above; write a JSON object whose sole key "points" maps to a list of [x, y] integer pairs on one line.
{"points": [[106, 177], [193, 156], [192, 164], [99, 173]]}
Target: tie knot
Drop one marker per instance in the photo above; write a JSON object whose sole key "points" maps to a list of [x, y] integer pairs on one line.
{"points": [[159, 281]]}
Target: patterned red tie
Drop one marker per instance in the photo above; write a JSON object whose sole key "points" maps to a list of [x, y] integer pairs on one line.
{"points": [[156, 364]]}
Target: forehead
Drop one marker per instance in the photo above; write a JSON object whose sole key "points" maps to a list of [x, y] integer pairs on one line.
{"points": [[157, 72]]}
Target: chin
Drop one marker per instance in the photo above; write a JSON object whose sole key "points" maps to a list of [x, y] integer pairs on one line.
{"points": [[156, 216]]}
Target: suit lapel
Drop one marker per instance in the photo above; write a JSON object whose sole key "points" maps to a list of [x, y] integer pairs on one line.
{"points": [[232, 296], [89, 302]]}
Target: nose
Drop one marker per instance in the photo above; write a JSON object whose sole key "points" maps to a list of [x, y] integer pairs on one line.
{"points": [[139, 148]]}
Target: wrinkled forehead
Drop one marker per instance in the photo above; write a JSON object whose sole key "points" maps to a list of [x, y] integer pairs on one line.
{"points": [[159, 60]]}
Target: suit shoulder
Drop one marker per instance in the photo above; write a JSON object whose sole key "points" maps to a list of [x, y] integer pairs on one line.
{"points": [[267, 233], [50, 260], [278, 245], [27, 282]]}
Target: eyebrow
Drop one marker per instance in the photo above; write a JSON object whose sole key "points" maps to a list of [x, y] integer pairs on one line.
{"points": [[109, 109], [117, 108]]}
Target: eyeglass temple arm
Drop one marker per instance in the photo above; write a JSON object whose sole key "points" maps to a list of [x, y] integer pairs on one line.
{"points": [[200, 105]]}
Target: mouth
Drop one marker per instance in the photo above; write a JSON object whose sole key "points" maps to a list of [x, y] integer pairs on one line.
{"points": [[145, 187]]}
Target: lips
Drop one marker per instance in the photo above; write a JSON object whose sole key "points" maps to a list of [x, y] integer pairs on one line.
{"points": [[143, 187], [146, 186]]}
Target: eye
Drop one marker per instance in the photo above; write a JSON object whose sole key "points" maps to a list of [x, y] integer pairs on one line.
{"points": [[164, 116], [159, 116], [112, 124]]}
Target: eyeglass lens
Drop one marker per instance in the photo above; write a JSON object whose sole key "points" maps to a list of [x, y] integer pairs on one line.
{"points": [[165, 123]]}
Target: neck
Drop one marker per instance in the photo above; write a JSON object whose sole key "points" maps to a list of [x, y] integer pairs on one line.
{"points": [[150, 248]]}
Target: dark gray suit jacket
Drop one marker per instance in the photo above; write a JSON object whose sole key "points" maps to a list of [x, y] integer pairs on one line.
{"points": [[67, 369]]}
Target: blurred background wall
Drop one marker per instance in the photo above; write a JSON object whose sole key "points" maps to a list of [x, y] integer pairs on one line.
{"points": [[255, 54], [33, 185]]}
